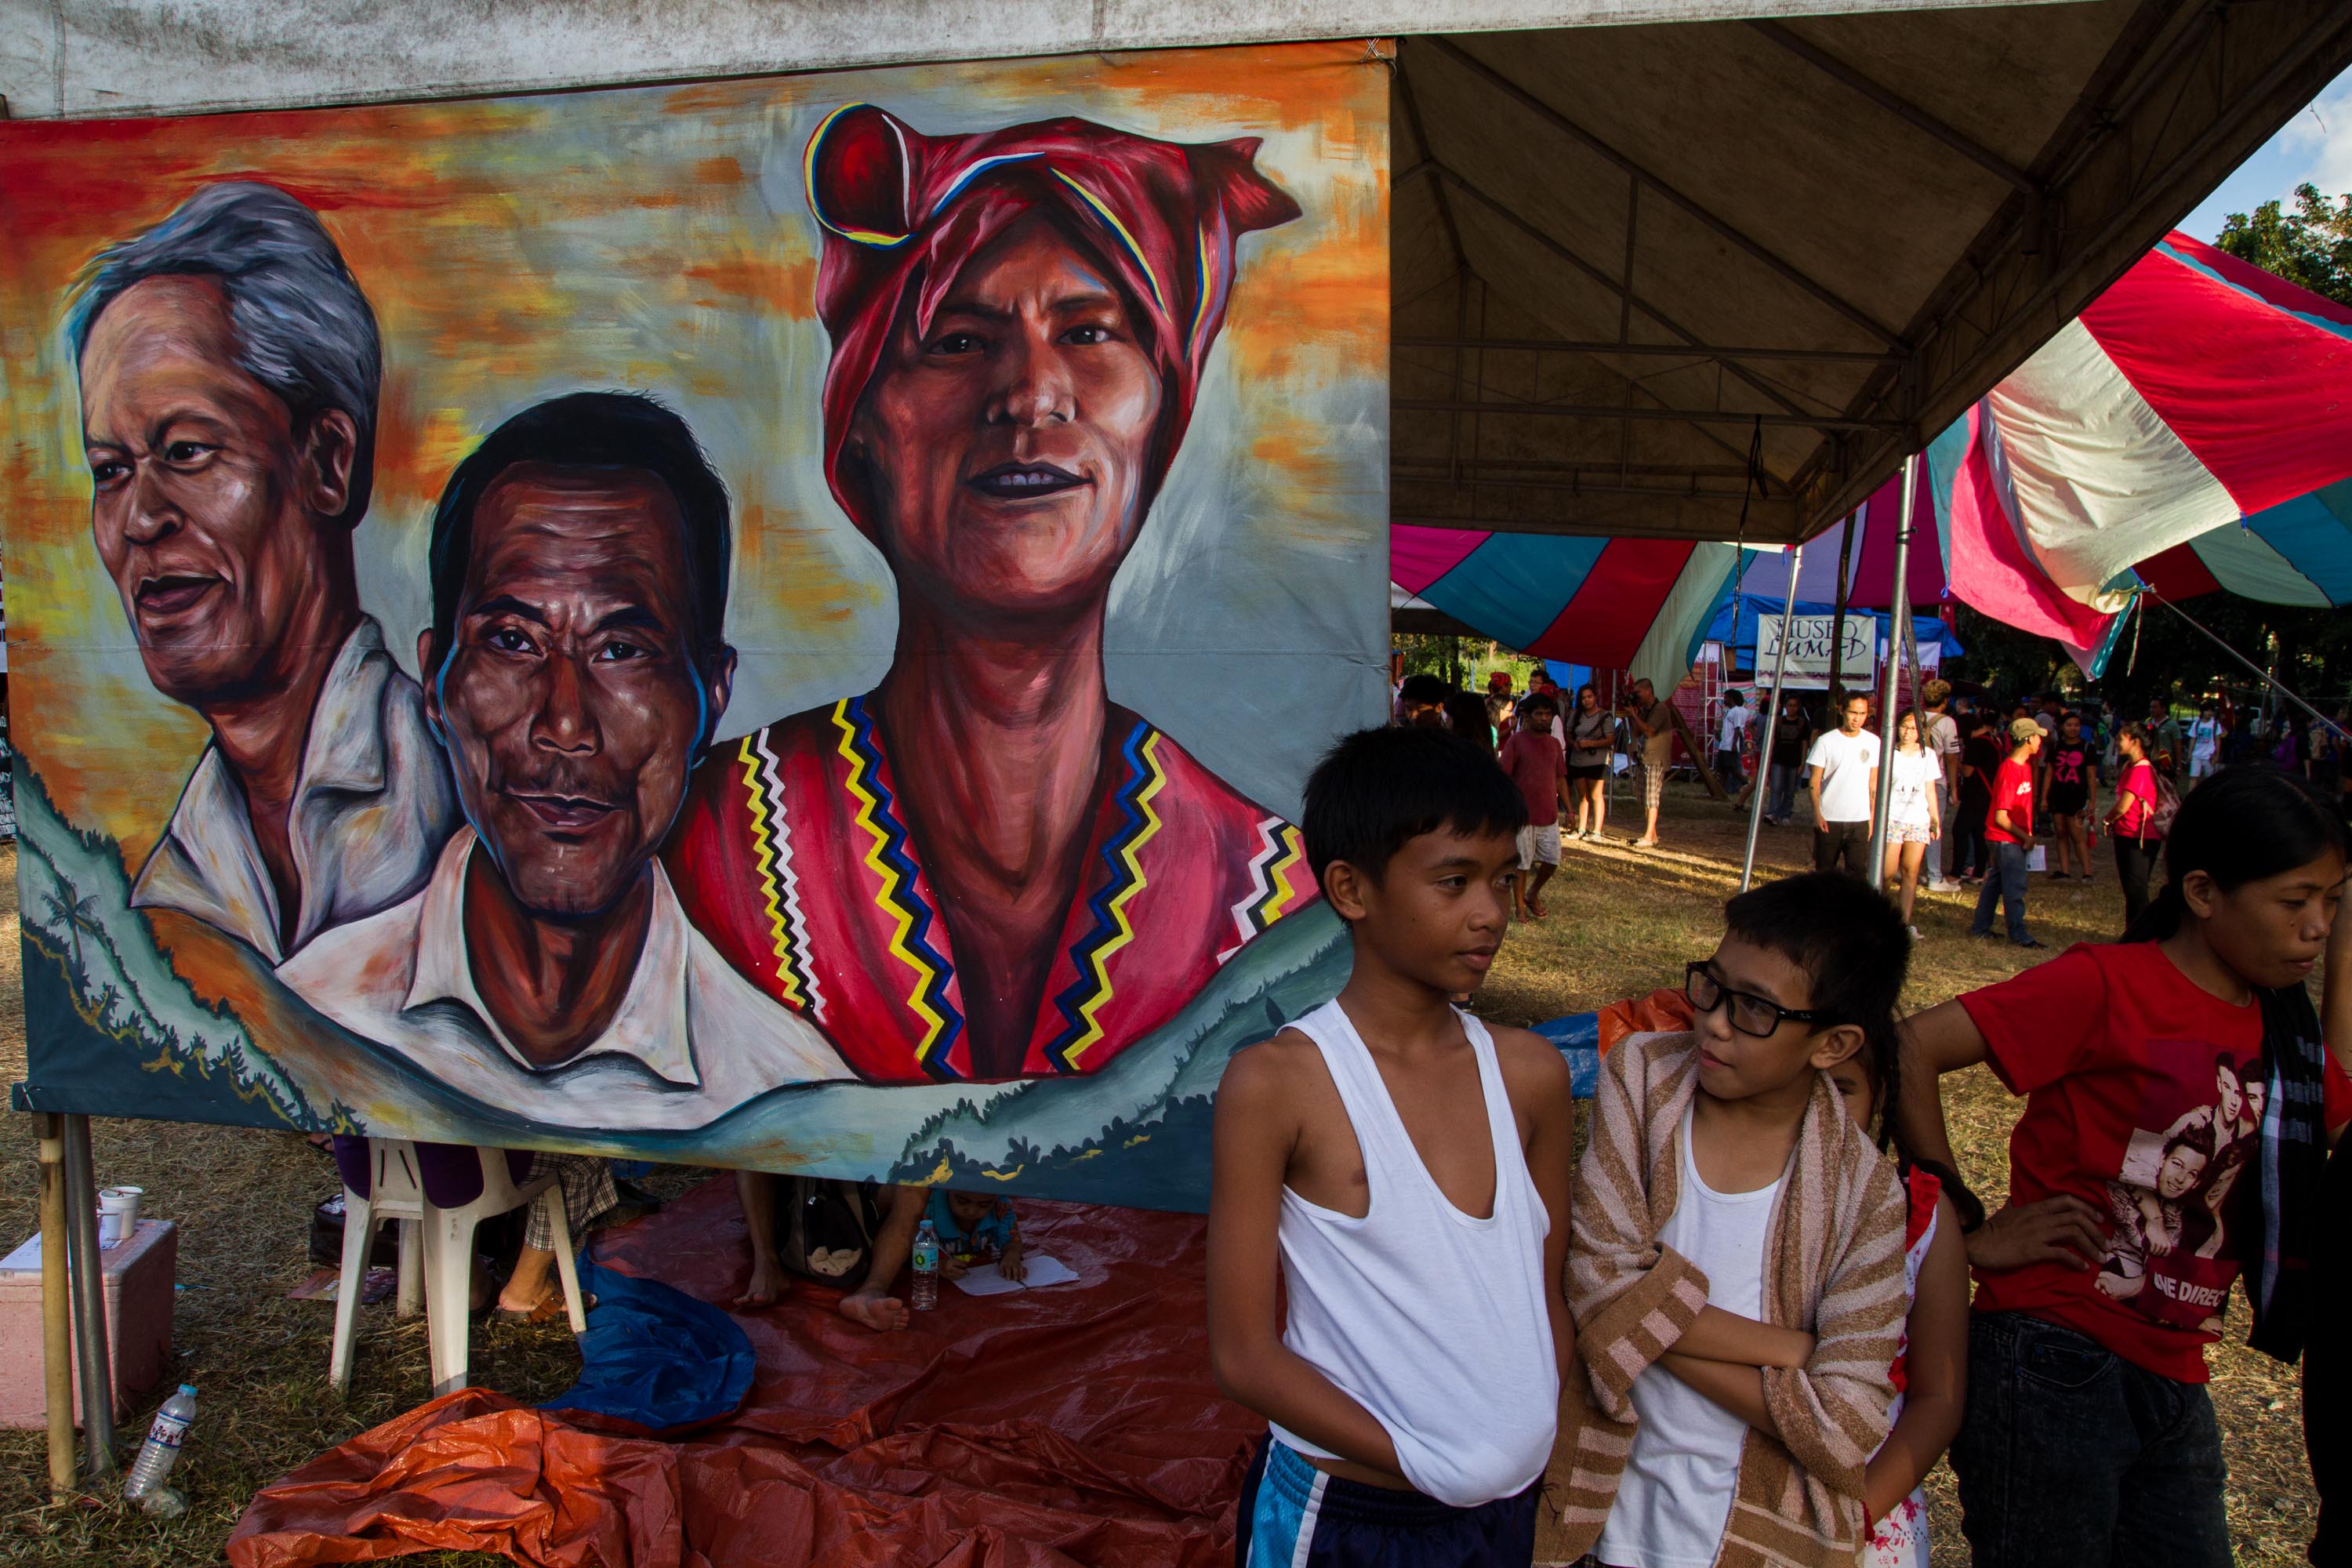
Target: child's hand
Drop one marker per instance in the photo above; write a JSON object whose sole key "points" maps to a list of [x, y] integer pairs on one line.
{"points": [[1013, 1266], [951, 1267]]}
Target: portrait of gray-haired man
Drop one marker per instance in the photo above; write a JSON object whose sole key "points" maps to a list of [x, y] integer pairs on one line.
{"points": [[229, 366]]}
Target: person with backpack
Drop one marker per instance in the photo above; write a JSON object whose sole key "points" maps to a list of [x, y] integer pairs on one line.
{"points": [[854, 1237], [2145, 804]]}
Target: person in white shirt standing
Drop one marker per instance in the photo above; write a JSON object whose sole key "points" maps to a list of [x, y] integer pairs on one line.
{"points": [[1913, 816], [1842, 776], [1731, 737]]}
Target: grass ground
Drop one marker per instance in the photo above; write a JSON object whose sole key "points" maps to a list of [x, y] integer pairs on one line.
{"points": [[1622, 923]]}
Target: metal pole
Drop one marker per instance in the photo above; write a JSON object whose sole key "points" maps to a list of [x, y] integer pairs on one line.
{"points": [[1771, 720], [1898, 626], [88, 1300], [1854, 525], [56, 1308]]}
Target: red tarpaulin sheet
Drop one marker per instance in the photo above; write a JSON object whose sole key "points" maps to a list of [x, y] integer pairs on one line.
{"points": [[1075, 1424]]}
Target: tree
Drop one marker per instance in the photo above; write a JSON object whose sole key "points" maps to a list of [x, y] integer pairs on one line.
{"points": [[78, 914], [2311, 247]]}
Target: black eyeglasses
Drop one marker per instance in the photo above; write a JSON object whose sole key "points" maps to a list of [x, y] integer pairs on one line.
{"points": [[1750, 1014]]}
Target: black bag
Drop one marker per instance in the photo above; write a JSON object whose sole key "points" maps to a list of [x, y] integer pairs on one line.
{"points": [[825, 1229]]}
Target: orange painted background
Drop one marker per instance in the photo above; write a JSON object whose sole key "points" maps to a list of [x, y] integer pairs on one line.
{"points": [[658, 239]]}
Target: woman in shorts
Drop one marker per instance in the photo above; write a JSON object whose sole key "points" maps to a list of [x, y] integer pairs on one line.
{"points": [[1591, 737], [1912, 819], [2073, 761]]}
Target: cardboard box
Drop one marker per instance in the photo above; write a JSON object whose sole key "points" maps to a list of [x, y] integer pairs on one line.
{"points": [[139, 1275]]}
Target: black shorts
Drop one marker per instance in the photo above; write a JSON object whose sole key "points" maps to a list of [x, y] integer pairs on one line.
{"points": [[2069, 800], [1595, 771], [1294, 1516]]}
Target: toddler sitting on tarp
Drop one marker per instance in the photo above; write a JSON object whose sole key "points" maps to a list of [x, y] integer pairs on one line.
{"points": [[973, 1227]]}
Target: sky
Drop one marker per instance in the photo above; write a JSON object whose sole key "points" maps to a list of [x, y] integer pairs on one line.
{"points": [[2316, 145]]}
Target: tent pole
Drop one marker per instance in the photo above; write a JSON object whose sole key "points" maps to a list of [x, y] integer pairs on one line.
{"points": [[88, 1300], [56, 1307], [1771, 716], [1898, 626], [1854, 525]]}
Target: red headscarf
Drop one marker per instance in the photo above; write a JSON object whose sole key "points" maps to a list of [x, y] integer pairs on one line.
{"points": [[902, 213]]}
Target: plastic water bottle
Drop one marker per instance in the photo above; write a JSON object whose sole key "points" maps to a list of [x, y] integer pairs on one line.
{"points": [[926, 1267], [161, 1450]]}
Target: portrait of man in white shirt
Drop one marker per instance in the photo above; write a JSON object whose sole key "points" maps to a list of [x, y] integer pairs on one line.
{"points": [[576, 666], [229, 367]]}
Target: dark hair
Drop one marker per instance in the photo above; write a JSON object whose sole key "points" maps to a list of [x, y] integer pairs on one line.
{"points": [[1540, 702], [611, 430], [1850, 942], [2239, 825], [1424, 688], [1731, 697], [2133, 730], [1466, 712], [1378, 789]]}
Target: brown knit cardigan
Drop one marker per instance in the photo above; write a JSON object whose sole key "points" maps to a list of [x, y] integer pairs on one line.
{"points": [[1833, 1267]]}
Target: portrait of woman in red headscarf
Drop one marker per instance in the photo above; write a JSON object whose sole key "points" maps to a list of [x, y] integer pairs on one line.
{"points": [[984, 869]]}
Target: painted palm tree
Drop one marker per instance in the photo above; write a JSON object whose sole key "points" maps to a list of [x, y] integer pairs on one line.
{"points": [[78, 915]]}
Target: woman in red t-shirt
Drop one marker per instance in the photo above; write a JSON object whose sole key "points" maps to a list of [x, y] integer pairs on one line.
{"points": [[2132, 823], [2172, 1138]]}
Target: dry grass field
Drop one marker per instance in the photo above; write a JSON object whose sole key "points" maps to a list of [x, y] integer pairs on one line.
{"points": [[1621, 924]]}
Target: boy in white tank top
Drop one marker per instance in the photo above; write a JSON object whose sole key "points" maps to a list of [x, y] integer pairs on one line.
{"points": [[1404, 1170]]}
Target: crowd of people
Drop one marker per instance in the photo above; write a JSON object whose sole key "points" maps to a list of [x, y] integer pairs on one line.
{"points": [[1739, 1328]]}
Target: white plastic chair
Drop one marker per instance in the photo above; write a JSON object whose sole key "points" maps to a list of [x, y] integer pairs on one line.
{"points": [[395, 1193], [449, 1252]]}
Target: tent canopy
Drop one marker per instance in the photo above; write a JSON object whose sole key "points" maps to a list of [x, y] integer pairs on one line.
{"points": [[2192, 429], [1640, 605], [1640, 272]]}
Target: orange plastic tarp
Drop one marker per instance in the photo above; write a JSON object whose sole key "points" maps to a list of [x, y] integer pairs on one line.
{"points": [[1663, 1011], [1075, 1424]]}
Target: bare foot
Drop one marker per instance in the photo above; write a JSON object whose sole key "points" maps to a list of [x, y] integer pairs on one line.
{"points": [[1535, 907], [875, 1311]]}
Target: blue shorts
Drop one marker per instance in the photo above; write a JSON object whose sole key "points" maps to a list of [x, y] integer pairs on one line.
{"points": [[1294, 1516]]}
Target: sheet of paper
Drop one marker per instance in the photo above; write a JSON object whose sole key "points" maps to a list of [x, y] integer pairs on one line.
{"points": [[982, 1279]]}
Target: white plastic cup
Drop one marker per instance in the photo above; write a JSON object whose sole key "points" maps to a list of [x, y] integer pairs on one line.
{"points": [[118, 1215]]}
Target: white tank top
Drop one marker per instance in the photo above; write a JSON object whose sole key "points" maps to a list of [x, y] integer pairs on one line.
{"points": [[1674, 1498], [1432, 1320]]}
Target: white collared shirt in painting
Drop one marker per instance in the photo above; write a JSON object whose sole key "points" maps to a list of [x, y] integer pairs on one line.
{"points": [[373, 806], [691, 1040]]}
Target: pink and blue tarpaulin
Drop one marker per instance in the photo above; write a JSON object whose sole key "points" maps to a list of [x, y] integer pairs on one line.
{"points": [[1870, 564], [2197, 393], [1638, 604]]}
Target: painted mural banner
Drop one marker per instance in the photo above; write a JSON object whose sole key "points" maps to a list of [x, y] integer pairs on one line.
{"points": [[779, 623]]}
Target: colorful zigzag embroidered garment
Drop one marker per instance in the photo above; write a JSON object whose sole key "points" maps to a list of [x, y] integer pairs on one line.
{"points": [[795, 857]]}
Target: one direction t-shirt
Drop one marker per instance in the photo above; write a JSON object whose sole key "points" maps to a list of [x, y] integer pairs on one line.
{"points": [[1535, 764], [2144, 1093], [1845, 762], [2012, 792]]}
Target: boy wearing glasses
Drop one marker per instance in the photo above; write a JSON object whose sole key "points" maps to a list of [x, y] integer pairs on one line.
{"points": [[1407, 1171], [1736, 1263]]}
